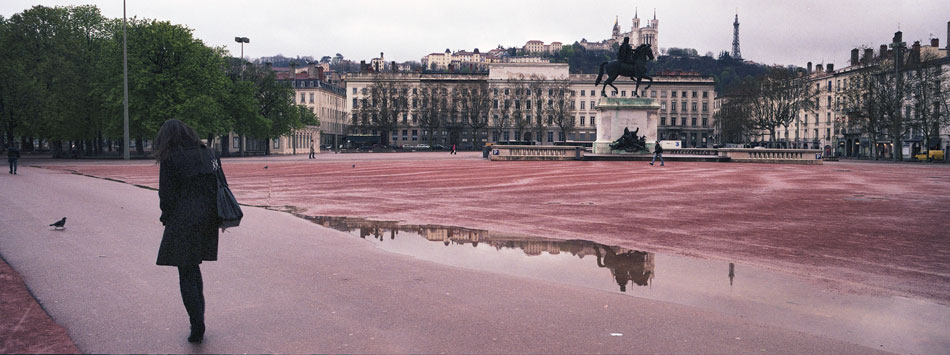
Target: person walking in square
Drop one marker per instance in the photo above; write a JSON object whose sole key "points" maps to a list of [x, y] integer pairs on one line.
{"points": [[657, 153], [453, 149], [13, 155], [187, 192], [312, 154]]}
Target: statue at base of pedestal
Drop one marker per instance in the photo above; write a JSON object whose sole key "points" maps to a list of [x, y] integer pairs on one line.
{"points": [[630, 141]]}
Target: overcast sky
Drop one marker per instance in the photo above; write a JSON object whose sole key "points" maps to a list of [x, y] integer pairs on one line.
{"points": [[771, 32]]}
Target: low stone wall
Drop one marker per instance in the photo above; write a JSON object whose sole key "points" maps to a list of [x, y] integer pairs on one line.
{"points": [[535, 152], [692, 151], [779, 156]]}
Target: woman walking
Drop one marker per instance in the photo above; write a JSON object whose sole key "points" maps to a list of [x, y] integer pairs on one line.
{"points": [[187, 188]]}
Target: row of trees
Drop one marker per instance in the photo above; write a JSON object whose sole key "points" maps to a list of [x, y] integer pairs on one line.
{"points": [[882, 101], [522, 104], [61, 79]]}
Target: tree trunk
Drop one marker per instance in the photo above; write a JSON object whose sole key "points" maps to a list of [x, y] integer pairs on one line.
{"points": [[241, 144], [898, 149], [57, 148]]}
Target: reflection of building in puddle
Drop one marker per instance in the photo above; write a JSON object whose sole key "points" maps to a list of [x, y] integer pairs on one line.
{"points": [[627, 266]]}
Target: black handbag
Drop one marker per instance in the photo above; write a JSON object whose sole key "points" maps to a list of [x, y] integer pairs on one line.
{"points": [[229, 211]]}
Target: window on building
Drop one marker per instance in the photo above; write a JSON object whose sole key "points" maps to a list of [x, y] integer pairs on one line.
{"points": [[582, 94], [276, 143], [682, 121], [583, 120], [672, 121], [592, 93], [663, 106], [693, 122], [507, 135], [415, 135], [673, 94], [693, 107], [673, 107], [663, 121], [551, 134], [694, 94], [653, 93], [683, 93], [663, 94], [355, 103], [705, 107], [311, 97], [623, 93], [683, 106], [236, 142], [560, 136], [705, 94], [582, 105], [591, 105], [303, 97], [705, 122]]}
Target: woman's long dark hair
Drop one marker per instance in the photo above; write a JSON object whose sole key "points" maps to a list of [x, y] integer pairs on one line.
{"points": [[174, 136]]}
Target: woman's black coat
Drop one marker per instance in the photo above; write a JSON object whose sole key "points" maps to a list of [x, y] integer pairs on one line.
{"points": [[187, 190]]}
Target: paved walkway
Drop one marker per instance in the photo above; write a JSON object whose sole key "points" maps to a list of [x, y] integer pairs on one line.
{"points": [[285, 285]]}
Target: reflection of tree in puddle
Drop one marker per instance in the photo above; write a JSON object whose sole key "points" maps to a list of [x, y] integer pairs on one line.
{"points": [[626, 266]]}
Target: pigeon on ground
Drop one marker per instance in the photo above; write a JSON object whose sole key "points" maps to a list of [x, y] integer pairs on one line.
{"points": [[265, 166], [354, 165], [59, 224]]}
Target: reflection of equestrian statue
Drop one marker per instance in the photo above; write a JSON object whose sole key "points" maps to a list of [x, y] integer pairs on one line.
{"points": [[628, 266], [630, 63], [629, 141]]}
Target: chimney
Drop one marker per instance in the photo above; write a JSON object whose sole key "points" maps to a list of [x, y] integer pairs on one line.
{"points": [[392, 65], [819, 68], [935, 42], [831, 67], [362, 66], [854, 56], [320, 74], [883, 54], [915, 53], [809, 67], [868, 56]]}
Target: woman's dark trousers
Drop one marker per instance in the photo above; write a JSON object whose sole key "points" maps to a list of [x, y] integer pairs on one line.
{"points": [[189, 278]]}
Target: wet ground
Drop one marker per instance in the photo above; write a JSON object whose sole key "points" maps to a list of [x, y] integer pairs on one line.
{"points": [[854, 251]]}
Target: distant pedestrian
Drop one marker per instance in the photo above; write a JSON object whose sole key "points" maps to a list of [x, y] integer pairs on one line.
{"points": [[312, 154], [13, 155], [657, 153], [187, 192], [453, 149]]}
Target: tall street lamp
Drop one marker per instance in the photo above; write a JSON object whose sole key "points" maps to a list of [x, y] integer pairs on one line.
{"points": [[125, 80], [242, 41]]}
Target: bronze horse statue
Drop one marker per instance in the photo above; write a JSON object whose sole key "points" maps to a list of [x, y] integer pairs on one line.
{"points": [[635, 68]]}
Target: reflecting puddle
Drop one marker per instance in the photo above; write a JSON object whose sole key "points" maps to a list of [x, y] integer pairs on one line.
{"points": [[887, 323]]}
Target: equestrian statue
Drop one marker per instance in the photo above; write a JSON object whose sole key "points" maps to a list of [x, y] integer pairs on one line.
{"points": [[630, 63]]}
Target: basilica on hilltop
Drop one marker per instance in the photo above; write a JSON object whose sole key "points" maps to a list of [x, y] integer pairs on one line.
{"points": [[638, 35]]}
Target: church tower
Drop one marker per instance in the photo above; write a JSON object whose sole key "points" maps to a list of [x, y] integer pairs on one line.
{"points": [[654, 23], [735, 38], [616, 33], [636, 21]]}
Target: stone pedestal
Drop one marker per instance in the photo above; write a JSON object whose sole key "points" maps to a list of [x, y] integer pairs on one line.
{"points": [[615, 113]]}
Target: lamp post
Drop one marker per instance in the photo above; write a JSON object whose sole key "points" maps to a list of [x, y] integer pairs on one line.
{"points": [[242, 41], [125, 89]]}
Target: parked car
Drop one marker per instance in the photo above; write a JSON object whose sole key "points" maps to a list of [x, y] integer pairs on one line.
{"points": [[438, 147], [422, 146]]}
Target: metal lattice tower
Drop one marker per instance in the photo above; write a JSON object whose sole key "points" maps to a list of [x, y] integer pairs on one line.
{"points": [[735, 39]]}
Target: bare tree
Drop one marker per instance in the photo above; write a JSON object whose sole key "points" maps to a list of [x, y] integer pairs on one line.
{"points": [[558, 106], [476, 101], [777, 98], [501, 110], [927, 96], [432, 107], [861, 114], [733, 121], [520, 113]]}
